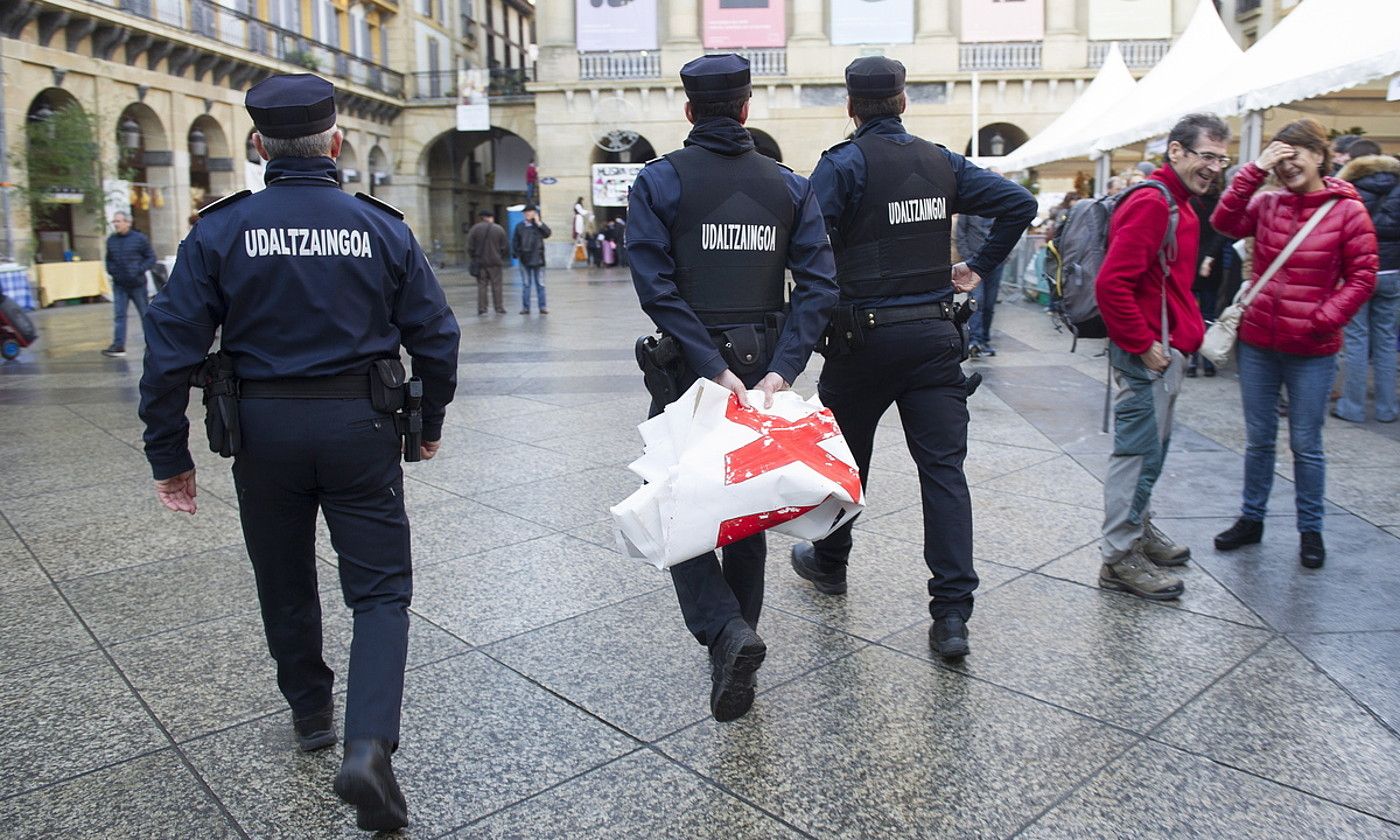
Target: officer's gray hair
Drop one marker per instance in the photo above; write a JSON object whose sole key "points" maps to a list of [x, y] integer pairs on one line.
{"points": [[310, 146]]}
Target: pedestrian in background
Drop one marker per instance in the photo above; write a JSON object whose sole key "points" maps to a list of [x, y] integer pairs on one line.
{"points": [[1210, 267], [487, 250], [972, 236], [527, 243], [1145, 278], [1291, 332], [1371, 334], [129, 257]]}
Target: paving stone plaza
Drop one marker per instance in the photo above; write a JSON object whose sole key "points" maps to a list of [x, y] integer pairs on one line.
{"points": [[553, 690]]}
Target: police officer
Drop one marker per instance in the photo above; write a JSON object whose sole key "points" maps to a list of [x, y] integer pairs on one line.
{"points": [[315, 291], [710, 230], [888, 198]]}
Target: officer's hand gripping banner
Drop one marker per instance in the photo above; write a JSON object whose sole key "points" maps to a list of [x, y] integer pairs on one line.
{"points": [[718, 472]]}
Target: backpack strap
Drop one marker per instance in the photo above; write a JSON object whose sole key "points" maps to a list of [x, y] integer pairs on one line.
{"points": [[1168, 250]]}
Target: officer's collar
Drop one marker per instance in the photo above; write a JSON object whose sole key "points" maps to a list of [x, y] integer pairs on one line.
{"points": [[720, 135], [303, 170], [890, 124]]}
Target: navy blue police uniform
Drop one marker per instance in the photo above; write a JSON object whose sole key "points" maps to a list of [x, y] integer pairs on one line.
{"points": [[711, 230], [310, 286], [888, 198]]}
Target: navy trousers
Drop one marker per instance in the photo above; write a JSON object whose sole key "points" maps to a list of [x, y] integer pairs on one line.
{"points": [[342, 457], [915, 366]]}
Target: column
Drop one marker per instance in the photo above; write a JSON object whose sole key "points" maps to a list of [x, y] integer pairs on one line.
{"points": [[1061, 16], [933, 19], [682, 41], [554, 27], [808, 20]]}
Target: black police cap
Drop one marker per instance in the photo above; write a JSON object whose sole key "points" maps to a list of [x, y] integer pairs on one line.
{"points": [[717, 78], [292, 105], [874, 77]]}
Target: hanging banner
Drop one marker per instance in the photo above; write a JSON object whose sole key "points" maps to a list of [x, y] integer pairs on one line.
{"points": [[872, 21], [1128, 20], [986, 21], [612, 183], [731, 24], [603, 25], [473, 102]]}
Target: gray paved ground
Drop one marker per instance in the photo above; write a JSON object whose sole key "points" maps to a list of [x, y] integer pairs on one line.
{"points": [[553, 690]]}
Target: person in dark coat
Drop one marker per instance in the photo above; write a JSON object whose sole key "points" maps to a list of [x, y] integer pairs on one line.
{"points": [[527, 243], [488, 251], [129, 257], [1210, 270], [1371, 333]]}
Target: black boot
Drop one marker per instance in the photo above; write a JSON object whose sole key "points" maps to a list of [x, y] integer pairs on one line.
{"points": [[315, 731], [366, 780], [828, 579], [1311, 553], [947, 637], [734, 659], [1243, 532]]}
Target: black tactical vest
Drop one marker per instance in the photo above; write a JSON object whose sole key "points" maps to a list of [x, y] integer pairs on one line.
{"points": [[730, 235], [900, 241]]}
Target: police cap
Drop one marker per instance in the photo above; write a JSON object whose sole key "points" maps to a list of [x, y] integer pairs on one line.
{"points": [[717, 78], [292, 105], [874, 77]]}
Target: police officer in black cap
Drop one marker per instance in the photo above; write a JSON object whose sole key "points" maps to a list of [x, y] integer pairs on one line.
{"points": [[315, 292], [711, 228], [888, 198]]}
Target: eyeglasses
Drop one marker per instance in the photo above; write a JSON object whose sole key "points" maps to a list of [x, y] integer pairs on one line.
{"points": [[1210, 158]]}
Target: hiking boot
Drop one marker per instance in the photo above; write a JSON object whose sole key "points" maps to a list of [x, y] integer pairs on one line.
{"points": [[1159, 548], [734, 659], [1311, 552], [828, 580], [1135, 574], [947, 636], [116, 351], [1243, 532]]}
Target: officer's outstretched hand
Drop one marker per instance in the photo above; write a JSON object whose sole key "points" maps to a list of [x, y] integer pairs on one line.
{"points": [[177, 492], [770, 385], [965, 279], [429, 448], [727, 378]]}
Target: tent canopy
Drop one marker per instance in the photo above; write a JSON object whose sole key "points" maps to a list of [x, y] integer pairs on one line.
{"points": [[1071, 134], [1203, 55]]}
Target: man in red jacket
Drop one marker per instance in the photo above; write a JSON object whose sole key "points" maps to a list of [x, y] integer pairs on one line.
{"points": [[1149, 356]]}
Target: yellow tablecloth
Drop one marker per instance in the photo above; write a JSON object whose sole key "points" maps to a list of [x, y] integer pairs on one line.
{"points": [[64, 280]]}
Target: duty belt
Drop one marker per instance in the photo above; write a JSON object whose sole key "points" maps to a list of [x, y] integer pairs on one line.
{"points": [[342, 387], [943, 311], [712, 319]]}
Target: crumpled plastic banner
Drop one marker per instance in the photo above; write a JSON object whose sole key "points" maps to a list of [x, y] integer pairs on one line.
{"points": [[718, 472]]}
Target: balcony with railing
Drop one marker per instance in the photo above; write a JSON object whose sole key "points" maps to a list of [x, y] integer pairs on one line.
{"points": [[619, 65], [771, 61], [1138, 54], [1011, 55], [1244, 7], [442, 84], [241, 31]]}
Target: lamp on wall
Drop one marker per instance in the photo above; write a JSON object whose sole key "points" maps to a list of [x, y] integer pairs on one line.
{"points": [[129, 134], [996, 146], [199, 144]]}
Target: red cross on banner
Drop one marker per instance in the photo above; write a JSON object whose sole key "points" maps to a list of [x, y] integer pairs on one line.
{"points": [[781, 442]]}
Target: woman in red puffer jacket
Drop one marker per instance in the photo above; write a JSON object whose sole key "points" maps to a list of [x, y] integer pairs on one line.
{"points": [[1290, 334]]}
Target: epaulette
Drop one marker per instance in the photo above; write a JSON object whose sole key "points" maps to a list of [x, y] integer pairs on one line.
{"points": [[782, 165], [223, 202], [846, 142], [382, 205]]}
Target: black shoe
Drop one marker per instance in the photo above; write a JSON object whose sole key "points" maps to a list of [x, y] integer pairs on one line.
{"points": [[827, 581], [116, 351], [315, 731], [734, 659], [1191, 372], [1243, 532], [1310, 550], [947, 636], [366, 780]]}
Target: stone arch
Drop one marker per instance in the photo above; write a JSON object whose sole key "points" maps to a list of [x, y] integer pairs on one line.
{"points": [[351, 174], [66, 221], [764, 144], [1002, 136], [212, 174], [149, 167], [379, 170], [610, 187], [466, 172]]}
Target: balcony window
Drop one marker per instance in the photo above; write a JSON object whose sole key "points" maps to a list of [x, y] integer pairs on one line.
{"points": [[1012, 55], [619, 65]]}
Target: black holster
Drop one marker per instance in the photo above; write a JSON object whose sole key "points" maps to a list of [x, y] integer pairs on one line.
{"points": [[844, 334], [748, 348], [662, 367], [215, 377], [409, 422], [386, 385], [960, 318]]}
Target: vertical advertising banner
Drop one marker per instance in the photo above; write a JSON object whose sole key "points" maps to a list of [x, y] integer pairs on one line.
{"points": [[872, 21], [473, 104], [602, 25], [1128, 20], [986, 21], [744, 23]]}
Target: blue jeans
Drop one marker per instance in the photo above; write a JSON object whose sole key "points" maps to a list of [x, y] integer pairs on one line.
{"points": [[979, 326], [1308, 379], [1370, 345], [531, 276], [120, 295]]}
